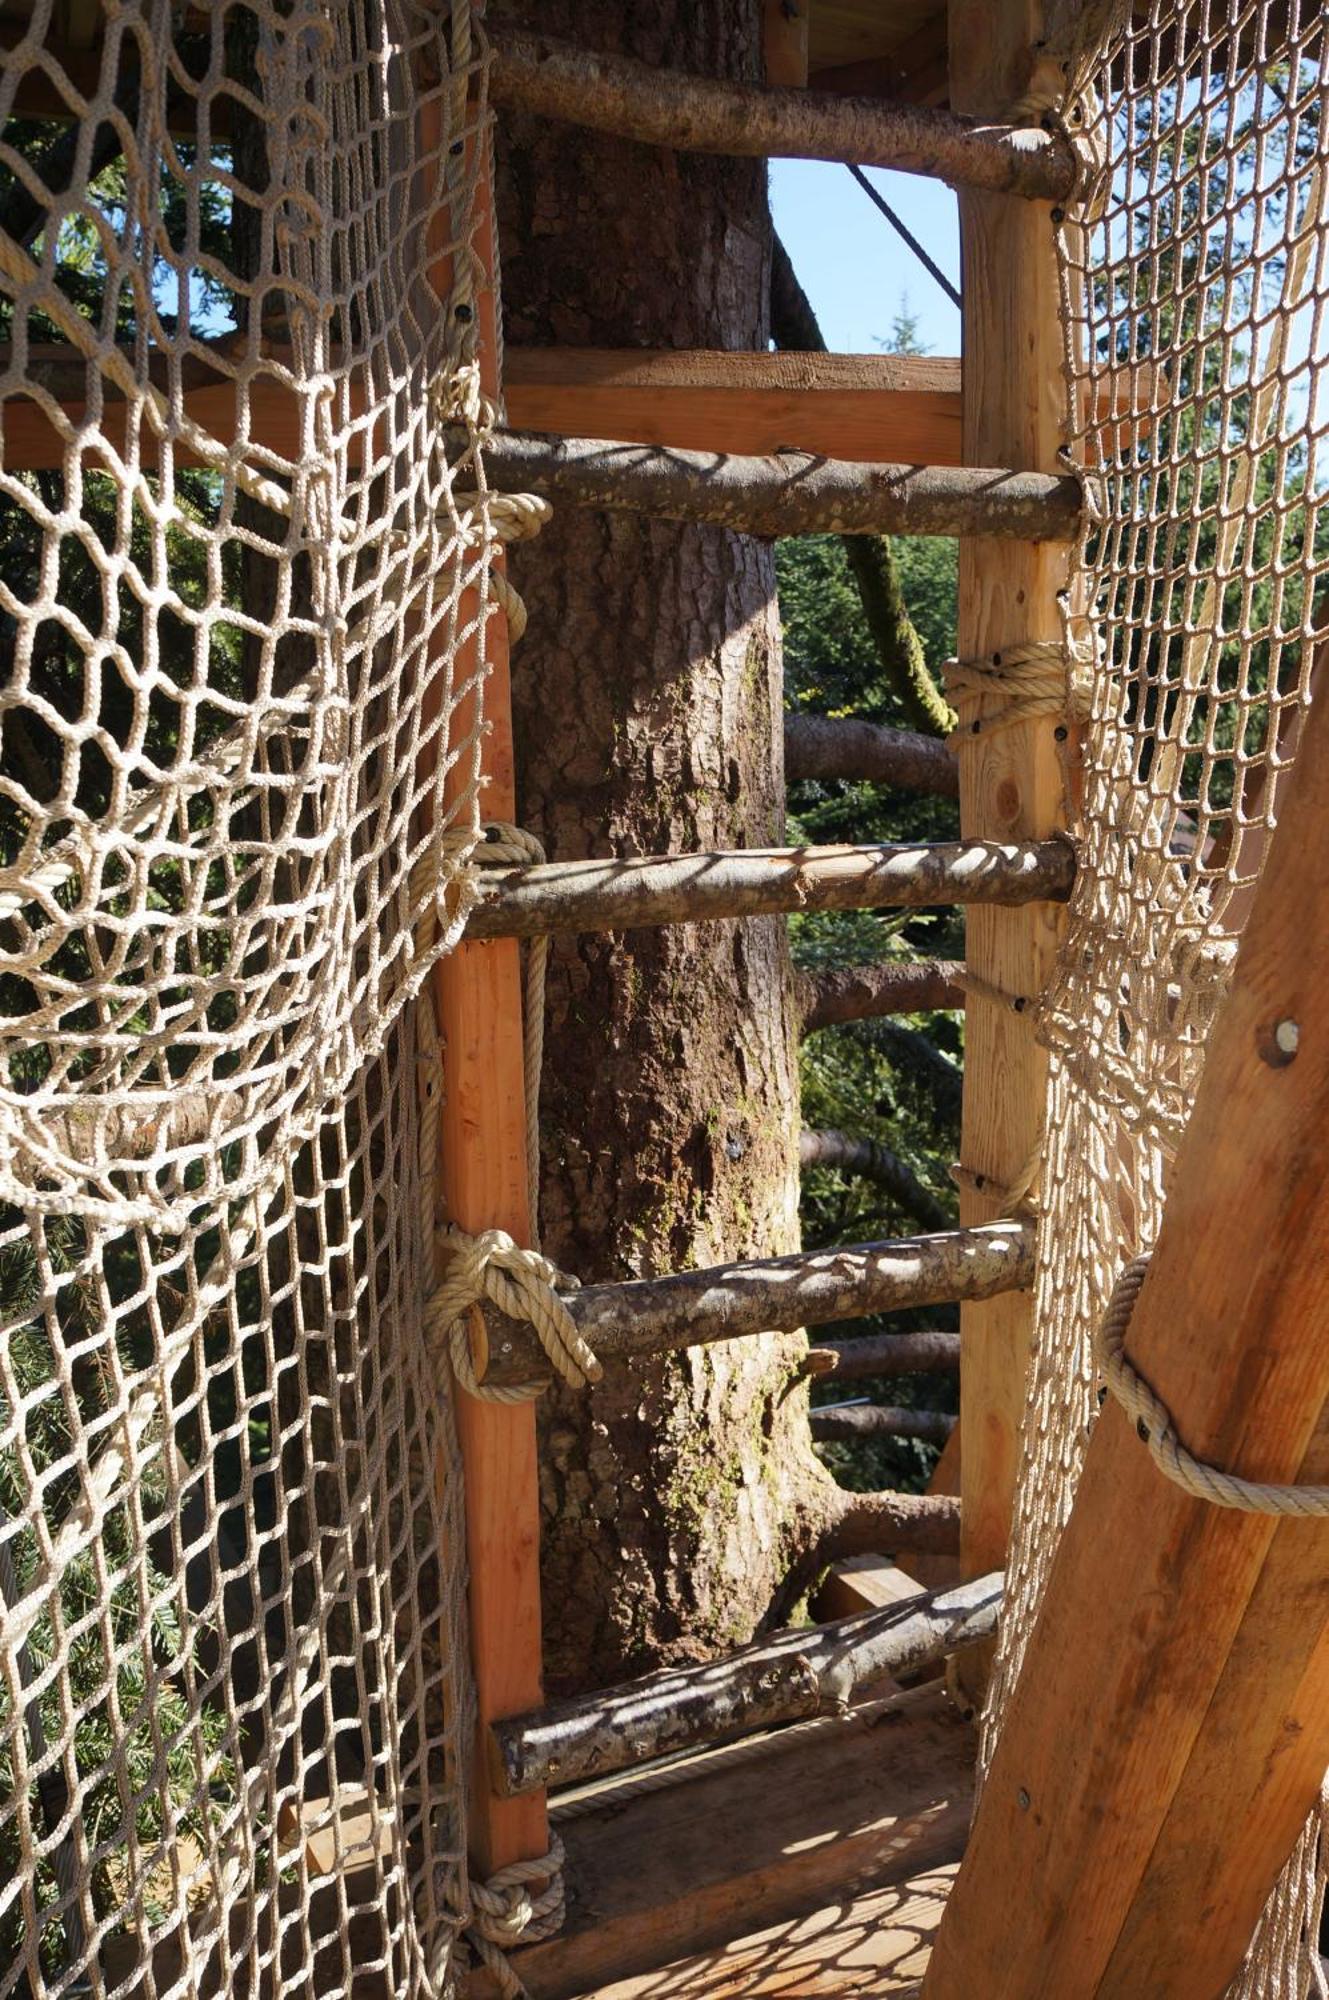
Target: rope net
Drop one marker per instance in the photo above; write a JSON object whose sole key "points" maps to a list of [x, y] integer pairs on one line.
{"points": [[1195, 284], [243, 599]]}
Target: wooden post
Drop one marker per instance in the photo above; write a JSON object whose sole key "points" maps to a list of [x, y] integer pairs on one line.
{"points": [[785, 42], [1011, 784], [1170, 1728], [483, 1185]]}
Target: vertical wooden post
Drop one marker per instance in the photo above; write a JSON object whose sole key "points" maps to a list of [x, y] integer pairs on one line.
{"points": [[785, 42], [1011, 785], [1170, 1728], [483, 1185]]}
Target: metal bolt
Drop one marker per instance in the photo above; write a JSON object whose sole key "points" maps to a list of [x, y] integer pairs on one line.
{"points": [[1022, 1799], [1287, 1036]]}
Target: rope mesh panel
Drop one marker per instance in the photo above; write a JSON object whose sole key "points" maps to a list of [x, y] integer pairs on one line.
{"points": [[242, 606], [1195, 283]]}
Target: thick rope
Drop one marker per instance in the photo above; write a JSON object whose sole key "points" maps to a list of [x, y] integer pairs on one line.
{"points": [[506, 1914], [1153, 1421], [1040, 678], [521, 1283]]}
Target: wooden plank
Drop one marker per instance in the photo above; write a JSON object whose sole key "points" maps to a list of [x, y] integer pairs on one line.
{"points": [[1170, 1728], [863, 1583], [742, 1846], [1011, 783], [784, 42], [483, 1185], [876, 1943], [862, 407]]}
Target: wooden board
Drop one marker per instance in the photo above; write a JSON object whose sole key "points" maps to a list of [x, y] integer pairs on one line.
{"points": [[483, 1185], [864, 407], [1011, 784], [1170, 1728], [876, 1943], [753, 1845]]}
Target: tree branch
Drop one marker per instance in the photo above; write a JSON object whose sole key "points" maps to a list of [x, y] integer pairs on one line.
{"points": [[868, 1356], [875, 1162], [836, 1524], [827, 747], [865, 992], [855, 1421], [871, 561]]}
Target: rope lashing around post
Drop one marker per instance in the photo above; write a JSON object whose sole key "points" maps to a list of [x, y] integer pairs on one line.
{"points": [[1154, 1424], [522, 1284], [506, 1914], [987, 989], [1040, 676], [1017, 1197]]}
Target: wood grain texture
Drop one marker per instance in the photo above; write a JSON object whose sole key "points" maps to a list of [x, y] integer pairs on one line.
{"points": [[740, 1848], [1011, 783], [785, 42], [859, 407], [483, 1185], [1170, 1728]]}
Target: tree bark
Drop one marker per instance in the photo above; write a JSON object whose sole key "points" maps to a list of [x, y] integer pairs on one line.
{"points": [[829, 747], [865, 992], [647, 705]]}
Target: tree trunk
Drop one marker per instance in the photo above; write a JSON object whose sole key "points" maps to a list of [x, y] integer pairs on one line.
{"points": [[647, 704]]}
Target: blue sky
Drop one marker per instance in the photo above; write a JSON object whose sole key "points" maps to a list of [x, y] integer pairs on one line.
{"points": [[854, 268]]}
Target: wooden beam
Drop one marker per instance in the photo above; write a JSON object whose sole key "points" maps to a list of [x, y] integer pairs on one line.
{"points": [[483, 1185], [1011, 780], [650, 1316], [858, 407], [789, 494], [1170, 1728], [784, 42], [797, 1674], [635, 100]]}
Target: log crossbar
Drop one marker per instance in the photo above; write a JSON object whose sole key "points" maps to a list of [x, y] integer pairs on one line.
{"points": [[542, 898], [929, 1351], [635, 100], [799, 1674], [788, 493], [650, 1316]]}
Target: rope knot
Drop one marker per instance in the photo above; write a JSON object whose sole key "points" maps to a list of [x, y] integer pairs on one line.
{"points": [[521, 1283], [510, 1909]]}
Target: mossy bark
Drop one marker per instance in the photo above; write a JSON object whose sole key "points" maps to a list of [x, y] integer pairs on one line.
{"points": [[647, 699]]}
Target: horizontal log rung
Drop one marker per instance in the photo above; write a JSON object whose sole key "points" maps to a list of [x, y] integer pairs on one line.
{"points": [[539, 899], [629, 99], [788, 493], [652, 1316], [851, 1423], [800, 1673]]}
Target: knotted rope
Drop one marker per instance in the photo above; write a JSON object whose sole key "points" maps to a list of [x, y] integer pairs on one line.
{"points": [[505, 1913], [522, 1284], [1041, 677], [1017, 1197], [1153, 1421]]}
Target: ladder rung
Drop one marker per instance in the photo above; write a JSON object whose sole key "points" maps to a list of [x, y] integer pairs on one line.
{"points": [[869, 992], [788, 493], [538, 899], [700, 114], [650, 1316], [845, 746], [781, 1680]]}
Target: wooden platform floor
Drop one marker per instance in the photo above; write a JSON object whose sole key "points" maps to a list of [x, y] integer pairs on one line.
{"points": [[818, 1869]]}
